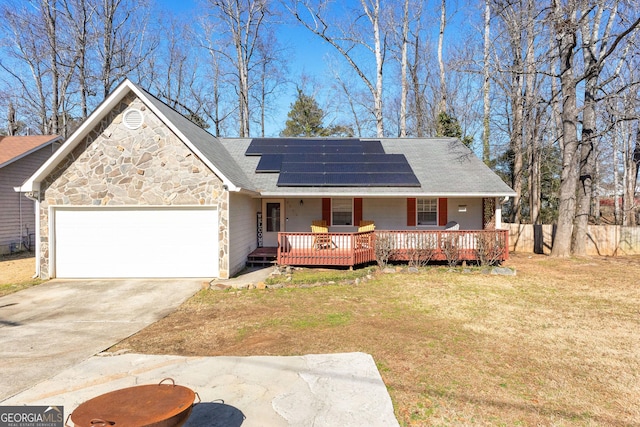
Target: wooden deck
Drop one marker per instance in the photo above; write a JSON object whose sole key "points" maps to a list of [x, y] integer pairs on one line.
{"points": [[351, 249]]}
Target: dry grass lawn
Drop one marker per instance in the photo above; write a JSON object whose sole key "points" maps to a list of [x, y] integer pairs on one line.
{"points": [[556, 345], [16, 272]]}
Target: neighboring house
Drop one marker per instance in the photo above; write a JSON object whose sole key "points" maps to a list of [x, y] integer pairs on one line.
{"points": [[140, 191], [20, 157]]}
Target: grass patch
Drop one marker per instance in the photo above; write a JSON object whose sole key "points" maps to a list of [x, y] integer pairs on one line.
{"points": [[556, 345], [9, 288], [307, 276]]}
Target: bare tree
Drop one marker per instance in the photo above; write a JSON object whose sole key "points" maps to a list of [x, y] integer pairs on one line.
{"points": [[347, 38], [243, 21], [571, 21], [123, 40]]}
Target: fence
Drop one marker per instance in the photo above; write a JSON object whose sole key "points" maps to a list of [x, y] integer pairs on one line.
{"points": [[604, 240]]}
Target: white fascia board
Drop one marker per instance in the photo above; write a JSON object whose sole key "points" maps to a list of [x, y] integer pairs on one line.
{"points": [[382, 195], [230, 185], [32, 184]]}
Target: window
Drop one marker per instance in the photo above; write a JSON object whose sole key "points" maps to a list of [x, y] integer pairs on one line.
{"points": [[341, 212], [427, 211]]}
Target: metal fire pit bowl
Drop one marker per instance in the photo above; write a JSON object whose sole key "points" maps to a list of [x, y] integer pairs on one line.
{"points": [[161, 405]]}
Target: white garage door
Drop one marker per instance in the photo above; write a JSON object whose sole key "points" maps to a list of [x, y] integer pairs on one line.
{"points": [[125, 242]]}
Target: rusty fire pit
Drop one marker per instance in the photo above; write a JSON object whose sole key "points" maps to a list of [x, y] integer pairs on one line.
{"points": [[153, 405]]}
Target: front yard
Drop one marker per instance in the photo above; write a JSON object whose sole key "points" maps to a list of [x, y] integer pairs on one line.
{"points": [[16, 272], [558, 344]]}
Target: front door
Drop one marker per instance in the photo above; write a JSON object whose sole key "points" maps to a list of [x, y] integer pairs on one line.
{"points": [[273, 221]]}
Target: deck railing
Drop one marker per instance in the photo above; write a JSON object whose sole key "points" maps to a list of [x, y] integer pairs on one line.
{"points": [[350, 249]]}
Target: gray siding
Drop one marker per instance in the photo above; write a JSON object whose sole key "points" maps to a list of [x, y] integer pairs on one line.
{"points": [[242, 230], [12, 203]]}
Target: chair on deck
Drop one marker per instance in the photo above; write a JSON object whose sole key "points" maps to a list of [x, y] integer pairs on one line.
{"points": [[363, 241], [366, 225], [452, 225], [321, 239]]}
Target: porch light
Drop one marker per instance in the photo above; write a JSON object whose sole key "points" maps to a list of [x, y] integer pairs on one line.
{"points": [[462, 208], [301, 202]]}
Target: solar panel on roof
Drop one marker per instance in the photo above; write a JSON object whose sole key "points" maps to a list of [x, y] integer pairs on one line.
{"points": [[291, 167], [331, 163], [269, 163], [372, 147], [300, 180]]}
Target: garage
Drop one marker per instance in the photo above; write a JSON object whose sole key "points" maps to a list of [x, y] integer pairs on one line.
{"points": [[136, 242]]}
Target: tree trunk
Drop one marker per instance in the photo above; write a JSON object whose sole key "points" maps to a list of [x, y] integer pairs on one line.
{"points": [[417, 91], [12, 126], [532, 117], [442, 105], [516, 146], [403, 66], [633, 161], [50, 19], [587, 171], [486, 147], [569, 115], [616, 175]]}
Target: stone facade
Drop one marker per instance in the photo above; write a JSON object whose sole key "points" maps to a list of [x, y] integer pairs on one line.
{"points": [[118, 166]]}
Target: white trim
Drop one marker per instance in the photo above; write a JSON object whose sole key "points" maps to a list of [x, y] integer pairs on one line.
{"points": [[397, 194], [437, 201], [352, 209]]}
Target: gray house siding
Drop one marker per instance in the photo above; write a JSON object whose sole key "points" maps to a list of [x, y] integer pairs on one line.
{"points": [[17, 213]]}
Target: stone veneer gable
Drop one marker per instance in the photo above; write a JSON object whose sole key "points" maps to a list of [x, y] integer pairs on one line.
{"points": [[118, 166]]}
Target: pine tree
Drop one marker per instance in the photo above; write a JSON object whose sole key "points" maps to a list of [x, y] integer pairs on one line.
{"points": [[450, 126], [306, 117]]}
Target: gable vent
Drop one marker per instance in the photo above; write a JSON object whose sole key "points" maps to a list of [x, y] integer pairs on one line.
{"points": [[132, 118]]}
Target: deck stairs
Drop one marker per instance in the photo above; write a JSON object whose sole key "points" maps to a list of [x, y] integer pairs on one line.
{"points": [[262, 257]]}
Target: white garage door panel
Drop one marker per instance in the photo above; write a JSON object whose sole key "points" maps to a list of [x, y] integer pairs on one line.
{"points": [[112, 242]]}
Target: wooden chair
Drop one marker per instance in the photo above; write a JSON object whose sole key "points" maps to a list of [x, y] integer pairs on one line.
{"points": [[364, 240], [322, 239], [366, 225]]}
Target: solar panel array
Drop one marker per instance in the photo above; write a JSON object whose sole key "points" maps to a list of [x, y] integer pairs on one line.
{"points": [[331, 163]]}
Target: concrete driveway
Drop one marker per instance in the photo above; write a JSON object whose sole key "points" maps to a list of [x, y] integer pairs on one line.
{"points": [[49, 328]]}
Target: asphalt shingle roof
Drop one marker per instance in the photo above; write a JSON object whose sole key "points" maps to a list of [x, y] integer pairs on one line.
{"points": [[444, 167], [12, 147]]}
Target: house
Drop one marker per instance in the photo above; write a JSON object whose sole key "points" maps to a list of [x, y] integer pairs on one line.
{"points": [[140, 191], [20, 157]]}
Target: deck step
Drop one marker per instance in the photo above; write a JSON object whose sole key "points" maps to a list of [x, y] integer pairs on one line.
{"points": [[262, 257]]}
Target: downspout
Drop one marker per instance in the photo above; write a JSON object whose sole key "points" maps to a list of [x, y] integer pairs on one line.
{"points": [[20, 216]]}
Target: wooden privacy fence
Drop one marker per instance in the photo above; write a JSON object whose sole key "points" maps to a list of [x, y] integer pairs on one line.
{"points": [[604, 240], [349, 249]]}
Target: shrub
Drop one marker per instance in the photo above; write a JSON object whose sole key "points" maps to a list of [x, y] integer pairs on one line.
{"points": [[384, 247], [420, 249], [450, 248], [488, 248]]}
